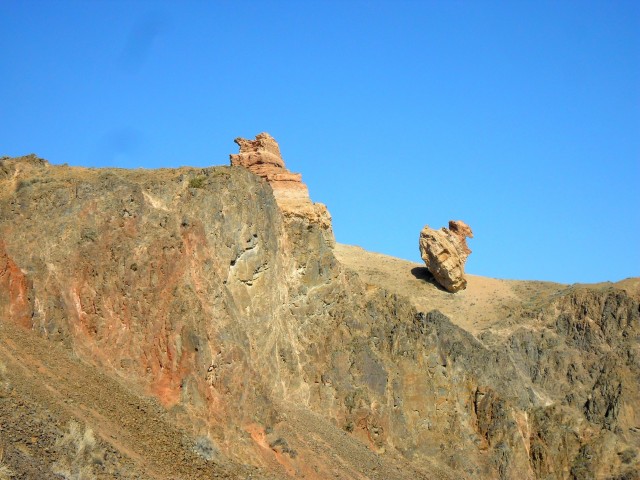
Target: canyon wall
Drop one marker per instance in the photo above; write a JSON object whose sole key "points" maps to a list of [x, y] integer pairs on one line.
{"points": [[194, 287]]}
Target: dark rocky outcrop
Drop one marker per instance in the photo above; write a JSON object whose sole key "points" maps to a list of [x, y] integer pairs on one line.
{"points": [[194, 288]]}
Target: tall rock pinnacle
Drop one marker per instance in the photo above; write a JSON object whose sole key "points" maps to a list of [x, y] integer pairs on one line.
{"points": [[262, 157]]}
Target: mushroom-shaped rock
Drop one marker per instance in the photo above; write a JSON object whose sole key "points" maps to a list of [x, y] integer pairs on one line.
{"points": [[445, 252]]}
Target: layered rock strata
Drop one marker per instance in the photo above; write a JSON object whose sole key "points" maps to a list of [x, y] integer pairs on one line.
{"points": [[262, 157], [445, 252]]}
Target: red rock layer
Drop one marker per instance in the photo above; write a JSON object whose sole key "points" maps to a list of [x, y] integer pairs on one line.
{"points": [[14, 290]]}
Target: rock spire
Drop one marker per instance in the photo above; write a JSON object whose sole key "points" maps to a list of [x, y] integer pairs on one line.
{"points": [[262, 157]]}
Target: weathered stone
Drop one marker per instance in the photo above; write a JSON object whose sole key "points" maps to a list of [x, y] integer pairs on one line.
{"points": [[262, 157], [445, 252], [461, 230], [265, 353]]}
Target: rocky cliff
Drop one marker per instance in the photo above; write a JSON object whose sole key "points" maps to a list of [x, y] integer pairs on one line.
{"points": [[197, 304]]}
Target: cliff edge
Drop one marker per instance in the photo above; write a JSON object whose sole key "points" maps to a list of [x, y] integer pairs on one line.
{"points": [[182, 323]]}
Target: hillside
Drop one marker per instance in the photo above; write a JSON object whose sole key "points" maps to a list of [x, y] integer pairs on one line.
{"points": [[180, 323]]}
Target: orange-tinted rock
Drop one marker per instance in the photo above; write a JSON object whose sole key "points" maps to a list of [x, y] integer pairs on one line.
{"points": [[445, 252], [462, 231], [14, 290], [262, 157]]}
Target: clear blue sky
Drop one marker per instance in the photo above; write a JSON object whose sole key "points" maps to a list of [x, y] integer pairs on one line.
{"points": [[521, 118]]}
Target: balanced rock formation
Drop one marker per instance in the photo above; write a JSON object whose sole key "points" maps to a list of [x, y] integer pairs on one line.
{"points": [[445, 252], [262, 157]]}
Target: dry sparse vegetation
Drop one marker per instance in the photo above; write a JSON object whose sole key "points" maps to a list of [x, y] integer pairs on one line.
{"points": [[78, 466], [197, 182], [5, 472]]}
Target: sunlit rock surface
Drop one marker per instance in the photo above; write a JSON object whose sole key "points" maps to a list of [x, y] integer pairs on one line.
{"points": [[262, 157], [178, 323], [445, 252]]}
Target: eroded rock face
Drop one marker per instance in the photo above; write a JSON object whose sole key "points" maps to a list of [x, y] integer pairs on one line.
{"points": [[445, 252], [194, 287], [262, 157]]}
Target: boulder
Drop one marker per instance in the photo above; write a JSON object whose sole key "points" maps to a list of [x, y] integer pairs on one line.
{"points": [[445, 252]]}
